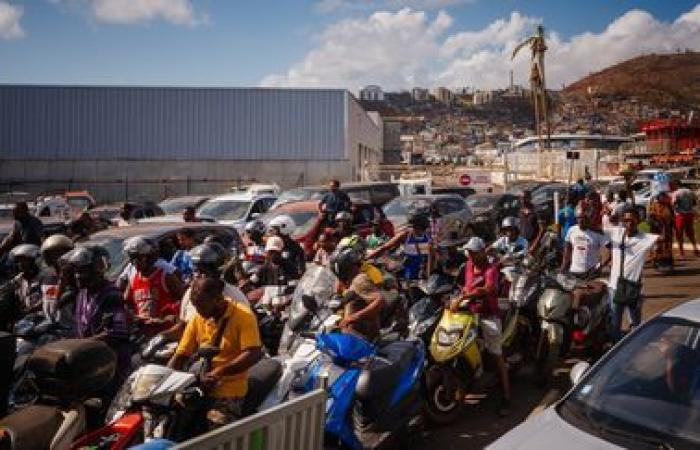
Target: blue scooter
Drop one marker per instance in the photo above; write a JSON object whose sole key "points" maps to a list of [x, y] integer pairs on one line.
{"points": [[374, 393]]}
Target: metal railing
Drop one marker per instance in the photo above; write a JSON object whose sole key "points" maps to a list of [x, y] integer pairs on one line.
{"points": [[295, 425]]}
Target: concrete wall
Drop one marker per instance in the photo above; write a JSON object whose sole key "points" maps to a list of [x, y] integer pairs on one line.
{"points": [[364, 138], [119, 180]]}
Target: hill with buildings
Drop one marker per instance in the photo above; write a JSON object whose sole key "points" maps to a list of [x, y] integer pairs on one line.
{"points": [[667, 81]]}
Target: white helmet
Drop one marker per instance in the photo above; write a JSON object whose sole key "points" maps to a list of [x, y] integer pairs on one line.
{"points": [[510, 222], [25, 250], [284, 223], [57, 242]]}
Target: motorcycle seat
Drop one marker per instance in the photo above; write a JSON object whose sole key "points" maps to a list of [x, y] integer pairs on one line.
{"points": [[262, 378], [30, 428], [379, 378]]}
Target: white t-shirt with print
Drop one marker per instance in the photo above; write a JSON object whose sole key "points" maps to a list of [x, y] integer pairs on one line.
{"points": [[636, 249], [585, 248]]}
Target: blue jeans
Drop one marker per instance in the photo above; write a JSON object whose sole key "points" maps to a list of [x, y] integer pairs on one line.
{"points": [[634, 314]]}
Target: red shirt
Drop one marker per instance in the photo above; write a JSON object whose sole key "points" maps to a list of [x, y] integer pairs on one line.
{"points": [[478, 278], [149, 296]]}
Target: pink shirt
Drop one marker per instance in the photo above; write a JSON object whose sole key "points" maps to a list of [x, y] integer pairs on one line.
{"points": [[488, 278]]}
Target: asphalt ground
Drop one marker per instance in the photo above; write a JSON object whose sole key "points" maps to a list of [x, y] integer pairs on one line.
{"points": [[480, 424]]}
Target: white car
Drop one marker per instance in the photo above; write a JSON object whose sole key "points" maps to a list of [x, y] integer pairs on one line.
{"points": [[643, 394], [235, 209]]}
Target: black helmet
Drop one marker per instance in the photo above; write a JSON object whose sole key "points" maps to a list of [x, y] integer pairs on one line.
{"points": [[255, 227], [419, 219], [93, 256], [140, 245], [210, 254], [343, 261]]}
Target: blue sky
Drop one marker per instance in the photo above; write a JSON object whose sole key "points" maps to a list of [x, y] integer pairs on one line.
{"points": [[335, 43]]}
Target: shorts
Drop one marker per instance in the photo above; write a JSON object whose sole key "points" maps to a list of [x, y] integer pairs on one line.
{"points": [[224, 411], [684, 221], [493, 335]]}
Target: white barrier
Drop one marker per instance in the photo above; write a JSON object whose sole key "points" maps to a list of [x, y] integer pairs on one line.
{"points": [[295, 425]]}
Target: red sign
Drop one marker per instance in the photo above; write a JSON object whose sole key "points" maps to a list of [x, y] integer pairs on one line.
{"points": [[465, 180]]}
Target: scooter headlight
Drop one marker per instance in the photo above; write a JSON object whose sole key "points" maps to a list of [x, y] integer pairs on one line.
{"points": [[448, 338]]}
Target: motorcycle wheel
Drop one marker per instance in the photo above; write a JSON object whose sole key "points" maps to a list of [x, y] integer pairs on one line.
{"points": [[547, 358], [443, 403]]}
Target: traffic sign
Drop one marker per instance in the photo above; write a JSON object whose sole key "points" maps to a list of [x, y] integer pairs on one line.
{"points": [[465, 180]]}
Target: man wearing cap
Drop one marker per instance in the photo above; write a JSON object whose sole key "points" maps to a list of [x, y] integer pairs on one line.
{"points": [[480, 295]]}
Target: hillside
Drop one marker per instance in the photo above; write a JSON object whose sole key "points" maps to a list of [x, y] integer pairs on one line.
{"points": [[670, 80]]}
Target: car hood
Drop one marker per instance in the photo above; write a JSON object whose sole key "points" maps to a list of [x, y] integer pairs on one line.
{"points": [[162, 219], [481, 210], [549, 430]]}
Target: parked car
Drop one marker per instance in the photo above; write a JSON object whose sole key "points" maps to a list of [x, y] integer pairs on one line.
{"points": [[309, 222], [543, 199], [113, 239], [377, 193], [462, 191], [108, 213], [235, 209], [454, 211], [643, 394], [175, 205], [490, 210]]}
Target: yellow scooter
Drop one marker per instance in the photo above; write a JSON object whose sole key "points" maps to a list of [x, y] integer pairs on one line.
{"points": [[455, 363]]}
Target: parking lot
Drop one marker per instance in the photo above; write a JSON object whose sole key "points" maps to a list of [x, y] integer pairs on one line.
{"points": [[480, 425]]}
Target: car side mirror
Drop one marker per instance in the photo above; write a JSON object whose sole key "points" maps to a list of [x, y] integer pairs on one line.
{"points": [[578, 371], [309, 303]]}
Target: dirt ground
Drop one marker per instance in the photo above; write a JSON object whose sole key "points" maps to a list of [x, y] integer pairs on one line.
{"points": [[480, 424]]}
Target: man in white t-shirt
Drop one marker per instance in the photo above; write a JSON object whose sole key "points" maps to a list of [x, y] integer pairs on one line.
{"points": [[636, 246], [583, 258]]}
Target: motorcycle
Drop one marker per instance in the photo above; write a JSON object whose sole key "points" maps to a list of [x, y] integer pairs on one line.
{"points": [[563, 330], [456, 363], [373, 393], [157, 402], [66, 374]]}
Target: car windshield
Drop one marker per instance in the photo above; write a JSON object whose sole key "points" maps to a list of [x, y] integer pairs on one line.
{"points": [[224, 209], [176, 205], [401, 207], [304, 220], [648, 389], [293, 195], [117, 259], [481, 201], [78, 202]]}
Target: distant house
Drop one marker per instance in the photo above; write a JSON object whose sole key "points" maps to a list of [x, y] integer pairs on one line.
{"points": [[372, 93], [420, 94]]}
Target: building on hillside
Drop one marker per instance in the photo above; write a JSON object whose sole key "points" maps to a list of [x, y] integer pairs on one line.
{"points": [[145, 142], [372, 93], [672, 135], [420, 94], [482, 97], [391, 153], [443, 95]]}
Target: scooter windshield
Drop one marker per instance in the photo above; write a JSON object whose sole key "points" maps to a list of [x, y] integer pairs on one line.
{"points": [[344, 347], [317, 282]]}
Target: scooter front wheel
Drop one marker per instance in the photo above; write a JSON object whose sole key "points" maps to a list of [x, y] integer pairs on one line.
{"points": [[444, 400]]}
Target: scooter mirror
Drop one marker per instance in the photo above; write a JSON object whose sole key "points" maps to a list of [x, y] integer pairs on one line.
{"points": [[578, 371], [309, 303]]}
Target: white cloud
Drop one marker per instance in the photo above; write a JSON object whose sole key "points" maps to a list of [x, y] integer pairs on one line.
{"points": [[127, 12], [406, 48], [328, 6], [10, 16]]}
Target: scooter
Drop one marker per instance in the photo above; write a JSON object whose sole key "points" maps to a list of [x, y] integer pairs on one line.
{"points": [[423, 316], [563, 330], [66, 374]]}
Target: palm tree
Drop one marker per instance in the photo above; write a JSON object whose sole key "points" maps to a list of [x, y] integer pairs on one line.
{"points": [[538, 87]]}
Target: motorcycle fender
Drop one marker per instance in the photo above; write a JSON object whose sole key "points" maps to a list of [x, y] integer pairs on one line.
{"points": [[554, 331]]}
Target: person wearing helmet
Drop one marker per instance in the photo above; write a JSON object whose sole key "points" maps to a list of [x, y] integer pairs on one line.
{"points": [[152, 293], [275, 273], [343, 224], [182, 259], [363, 300], [58, 308], [417, 246], [284, 227], [510, 243], [480, 295], [26, 229], [27, 283], [100, 312], [255, 245], [333, 202], [207, 260]]}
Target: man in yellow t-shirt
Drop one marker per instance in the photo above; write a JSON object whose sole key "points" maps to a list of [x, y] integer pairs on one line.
{"points": [[239, 342]]}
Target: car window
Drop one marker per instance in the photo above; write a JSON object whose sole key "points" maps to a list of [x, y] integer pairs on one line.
{"points": [[258, 207], [363, 216], [224, 209], [449, 205], [267, 203], [45, 212], [384, 193], [139, 214]]}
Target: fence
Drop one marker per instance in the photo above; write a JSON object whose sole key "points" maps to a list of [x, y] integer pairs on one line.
{"points": [[295, 425]]}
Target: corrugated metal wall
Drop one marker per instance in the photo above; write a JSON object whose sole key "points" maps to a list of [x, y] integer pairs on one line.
{"points": [[39, 122]]}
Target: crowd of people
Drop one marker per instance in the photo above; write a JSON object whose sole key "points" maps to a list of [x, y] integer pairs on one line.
{"points": [[204, 293]]}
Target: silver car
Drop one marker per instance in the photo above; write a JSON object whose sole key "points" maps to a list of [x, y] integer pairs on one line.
{"points": [[454, 212], [643, 394]]}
